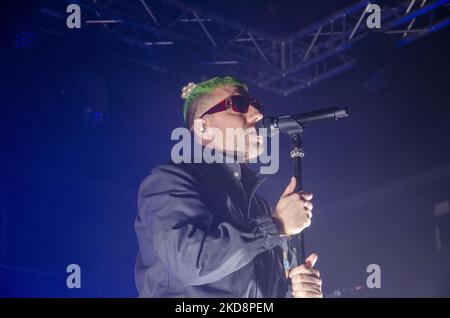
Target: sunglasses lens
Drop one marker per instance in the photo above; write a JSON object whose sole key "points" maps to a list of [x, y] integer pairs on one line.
{"points": [[240, 103]]}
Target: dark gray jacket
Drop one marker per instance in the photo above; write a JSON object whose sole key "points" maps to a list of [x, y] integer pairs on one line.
{"points": [[202, 232]]}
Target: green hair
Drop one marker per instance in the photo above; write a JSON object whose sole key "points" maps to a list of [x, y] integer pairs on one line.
{"points": [[207, 87]]}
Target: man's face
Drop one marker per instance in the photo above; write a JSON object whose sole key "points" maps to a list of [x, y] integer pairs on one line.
{"points": [[243, 139]]}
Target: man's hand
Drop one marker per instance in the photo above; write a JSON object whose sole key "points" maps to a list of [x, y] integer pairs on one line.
{"points": [[293, 212], [306, 281]]}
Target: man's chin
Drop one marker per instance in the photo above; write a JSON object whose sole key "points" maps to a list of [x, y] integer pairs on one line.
{"points": [[249, 153], [242, 156]]}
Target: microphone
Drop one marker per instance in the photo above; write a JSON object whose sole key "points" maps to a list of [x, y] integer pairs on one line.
{"points": [[291, 124]]}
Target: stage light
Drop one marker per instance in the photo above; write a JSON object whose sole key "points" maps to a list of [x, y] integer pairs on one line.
{"points": [[93, 97], [93, 118], [25, 39]]}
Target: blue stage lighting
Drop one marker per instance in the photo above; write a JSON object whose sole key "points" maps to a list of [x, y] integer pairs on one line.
{"points": [[25, 39]]}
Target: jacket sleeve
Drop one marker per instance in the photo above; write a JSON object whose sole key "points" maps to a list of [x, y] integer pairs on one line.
{"points": [[178, 224]]}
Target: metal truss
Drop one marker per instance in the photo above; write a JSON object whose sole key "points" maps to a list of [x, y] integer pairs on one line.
{"points": [[282, 65]]}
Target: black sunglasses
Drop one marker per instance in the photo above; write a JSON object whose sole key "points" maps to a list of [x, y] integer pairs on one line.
{"points": [[238, 103]]}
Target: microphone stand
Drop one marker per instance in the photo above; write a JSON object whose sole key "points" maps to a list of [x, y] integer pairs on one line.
{"points": [[295, 131], [293, 126], [297, 154]]}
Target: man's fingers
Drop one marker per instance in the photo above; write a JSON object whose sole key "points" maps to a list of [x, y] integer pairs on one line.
{"points": [[302, 269], [307, 278], [306, 195], [311, 260], [308, 205], [290, 187], [306, 287], [306, 294]]}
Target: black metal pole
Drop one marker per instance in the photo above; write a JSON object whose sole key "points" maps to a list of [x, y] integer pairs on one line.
{"points": [[294, 125], [297, 154]]}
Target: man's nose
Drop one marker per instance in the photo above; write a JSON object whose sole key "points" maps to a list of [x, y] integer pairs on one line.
{"points": [[254, 115]]}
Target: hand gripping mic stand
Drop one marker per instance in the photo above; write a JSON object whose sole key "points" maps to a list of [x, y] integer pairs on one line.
{"points": [[293, 126]]}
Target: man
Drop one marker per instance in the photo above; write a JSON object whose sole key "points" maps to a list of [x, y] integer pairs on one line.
{"points": [[202, 231]]}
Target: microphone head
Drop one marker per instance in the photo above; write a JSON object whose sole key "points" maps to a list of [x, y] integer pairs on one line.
{"points": [[269, 124], [341, 113], [261, 123]]}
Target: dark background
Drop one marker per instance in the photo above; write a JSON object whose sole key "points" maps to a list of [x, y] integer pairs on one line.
{"points": [[68, 190]]}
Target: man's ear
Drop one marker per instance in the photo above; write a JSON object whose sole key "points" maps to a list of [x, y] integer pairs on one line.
{"points": [[200, 129]]}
